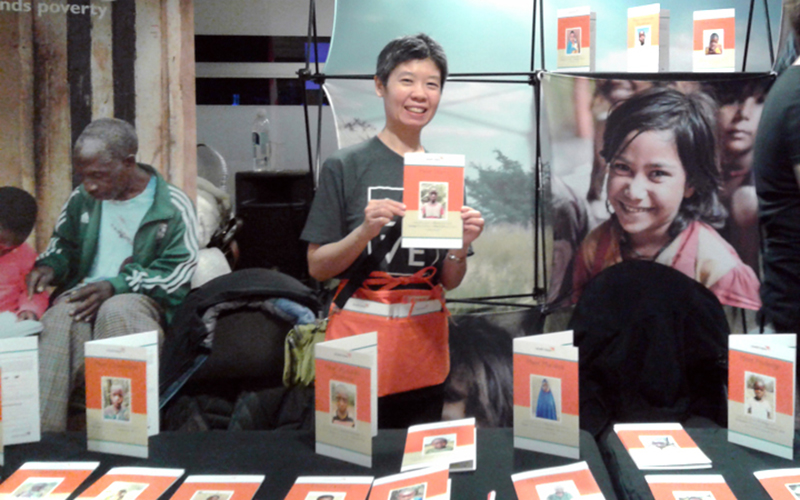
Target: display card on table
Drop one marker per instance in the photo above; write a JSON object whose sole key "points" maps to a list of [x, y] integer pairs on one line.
{"points": [[210, 487], [546, 401], [714, 44], [689, 487], [131, 483], [337, 488], [566, 481], [661, 446], [433, 192], [648, 39], [576, 38], [761, 392], [54, 480], [781, 484], [451, 442], [122, 393], [430, 483], [19, 366], [346, 397]]}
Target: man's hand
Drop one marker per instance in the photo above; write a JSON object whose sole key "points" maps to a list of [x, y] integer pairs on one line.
{"points": [[38, 279], [27, 315], [88, 299]]}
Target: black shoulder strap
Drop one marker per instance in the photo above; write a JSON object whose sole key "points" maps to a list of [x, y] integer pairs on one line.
{"points": [[368, 263]]}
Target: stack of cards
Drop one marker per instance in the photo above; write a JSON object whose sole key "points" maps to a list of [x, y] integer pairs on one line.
{"points": [[661, 447]]}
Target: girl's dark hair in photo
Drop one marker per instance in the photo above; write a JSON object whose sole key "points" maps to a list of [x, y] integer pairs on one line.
{"points": [[481, 373], [409, 48], [692, 120], [17, 212]]}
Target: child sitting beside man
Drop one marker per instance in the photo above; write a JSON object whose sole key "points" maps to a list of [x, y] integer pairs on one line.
{"points": [[17, 217]]}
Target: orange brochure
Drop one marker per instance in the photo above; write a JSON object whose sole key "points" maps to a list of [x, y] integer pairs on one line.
{"points": [[781, 484], [131, 483], [122, 393], [714, 40], [452, 442], [330, 488], [546, 399], [433, 192], [575, 39], [567, 481], [431, 483], [648, 39], [661, 446], [688, 487], [761, 392], [346, 397], [54, 480], [218, 488]]}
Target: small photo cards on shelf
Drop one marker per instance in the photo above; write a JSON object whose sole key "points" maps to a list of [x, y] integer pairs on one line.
{"points": [[546, 400], [330, 488], [688, 487], [452, 442], [576, 39], [648, 39], [714, 40], [567, 481], [431, 483], [122, 393], [346, 397], [53, 480], [433, 192], [661, 446], [761, 392], [218, 488], [781, 484], [132, 483]]}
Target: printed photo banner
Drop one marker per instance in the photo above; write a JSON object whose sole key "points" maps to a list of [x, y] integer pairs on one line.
{"points": [[662, 199]]}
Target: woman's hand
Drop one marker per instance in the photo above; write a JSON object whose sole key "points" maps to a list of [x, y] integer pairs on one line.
{"points": [[473, 225], [378, 213]]}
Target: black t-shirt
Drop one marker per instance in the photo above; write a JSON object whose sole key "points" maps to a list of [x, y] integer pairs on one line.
{"points": [[777, 150], [350, 178]]}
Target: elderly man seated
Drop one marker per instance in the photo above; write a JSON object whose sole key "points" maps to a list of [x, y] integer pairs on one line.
{"points": [[121, 256]]}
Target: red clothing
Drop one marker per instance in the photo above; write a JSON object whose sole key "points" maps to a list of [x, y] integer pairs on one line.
{"points": [[14, 266], [699, 252]]}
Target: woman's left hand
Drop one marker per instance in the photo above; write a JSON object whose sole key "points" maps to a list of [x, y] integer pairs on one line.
{"points": [[473, 225]]}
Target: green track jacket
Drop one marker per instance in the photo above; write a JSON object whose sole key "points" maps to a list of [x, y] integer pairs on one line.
{"points": [[164, 249]]}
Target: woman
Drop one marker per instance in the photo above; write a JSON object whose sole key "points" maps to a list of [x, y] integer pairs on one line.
{"points": [[663, 179], [360, 192]]}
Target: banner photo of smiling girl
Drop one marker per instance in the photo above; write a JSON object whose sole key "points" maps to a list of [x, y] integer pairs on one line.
{"points": [[653, 170]]}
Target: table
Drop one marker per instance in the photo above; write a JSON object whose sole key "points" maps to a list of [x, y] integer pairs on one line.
{"points": [[736, 464], [284, 455]]}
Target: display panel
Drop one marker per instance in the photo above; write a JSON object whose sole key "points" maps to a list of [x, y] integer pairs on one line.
{"points": [[606, 212]]}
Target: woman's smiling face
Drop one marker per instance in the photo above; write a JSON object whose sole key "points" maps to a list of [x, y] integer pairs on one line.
{"points": [[411, 94], [646, 186]]}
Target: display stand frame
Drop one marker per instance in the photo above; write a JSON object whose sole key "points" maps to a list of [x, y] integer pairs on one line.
{"points": [[533, 78]]}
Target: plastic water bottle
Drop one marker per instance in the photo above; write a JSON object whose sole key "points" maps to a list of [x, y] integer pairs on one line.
{"points": [[261, 144]]}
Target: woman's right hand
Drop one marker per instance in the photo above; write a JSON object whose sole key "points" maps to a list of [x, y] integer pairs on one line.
{"points": [[378, 213]]}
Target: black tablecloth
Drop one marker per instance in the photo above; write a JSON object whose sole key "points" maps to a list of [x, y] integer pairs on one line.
{"points": [[735, 463], [282, 456]]}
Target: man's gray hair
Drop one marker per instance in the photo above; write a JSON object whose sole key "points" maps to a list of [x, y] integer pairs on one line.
{"points": [[118, 136]]}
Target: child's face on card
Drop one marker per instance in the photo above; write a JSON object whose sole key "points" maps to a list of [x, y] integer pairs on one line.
{"points": [[647, 184]]}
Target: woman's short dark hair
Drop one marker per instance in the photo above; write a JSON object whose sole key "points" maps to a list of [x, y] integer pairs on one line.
{"points": [[409, 48], [692, 120], [17, 212]]}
